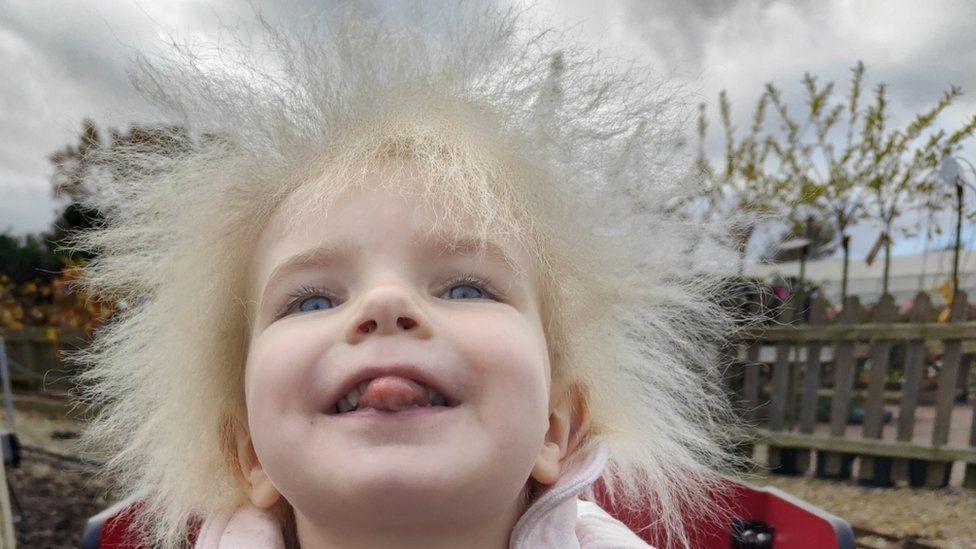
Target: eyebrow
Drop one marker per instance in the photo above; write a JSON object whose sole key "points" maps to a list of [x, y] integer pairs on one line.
{"points": [[463, 245], [322, 256], [343, 250]]}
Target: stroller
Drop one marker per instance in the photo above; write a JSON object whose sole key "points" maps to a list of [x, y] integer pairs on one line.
{"points": [[761, 518]]}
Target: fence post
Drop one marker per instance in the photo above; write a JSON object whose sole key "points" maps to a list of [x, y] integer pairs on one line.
{"points": [[837, 465], [969, 476], [781, 374], [751, 369], [732, 383], [750, 383], [912, 470], [811, 382], [969, 479], [7, 534], [937, 472], [874, 470], [782, 461]]}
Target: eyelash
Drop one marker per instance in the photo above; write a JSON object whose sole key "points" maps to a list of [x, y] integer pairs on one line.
{"points": [[482, 284], [303, 292]]}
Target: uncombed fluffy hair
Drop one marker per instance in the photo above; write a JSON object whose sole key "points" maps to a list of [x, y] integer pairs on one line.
{"points": [[544, 143]]}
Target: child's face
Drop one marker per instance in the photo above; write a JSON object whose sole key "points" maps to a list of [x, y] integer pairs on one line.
{"points": [[385, 300]]}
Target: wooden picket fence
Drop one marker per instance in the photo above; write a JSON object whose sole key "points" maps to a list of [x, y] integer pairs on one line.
{"points": [[35, 357], [787, 369], [787, 375]]}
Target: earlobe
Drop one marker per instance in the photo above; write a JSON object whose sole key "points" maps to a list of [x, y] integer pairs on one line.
{"points": [[568, 421], [546, 469], [262, 492]]}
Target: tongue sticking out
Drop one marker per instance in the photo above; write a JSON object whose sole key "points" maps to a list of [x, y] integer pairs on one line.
{"points": [[392, 394]]}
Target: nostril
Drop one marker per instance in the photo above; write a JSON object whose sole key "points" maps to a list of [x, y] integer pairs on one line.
{"points": [[368, 326], [406, 323]]}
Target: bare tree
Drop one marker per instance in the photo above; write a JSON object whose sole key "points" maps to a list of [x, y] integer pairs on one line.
{"points": [[742, 183], [863, 170]]}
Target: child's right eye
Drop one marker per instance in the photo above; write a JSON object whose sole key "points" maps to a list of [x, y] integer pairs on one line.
{"points": [[308, 299], [315, 303]]}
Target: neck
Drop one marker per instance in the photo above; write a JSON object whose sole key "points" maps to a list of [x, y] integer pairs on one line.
{"points": [[493, 533]]}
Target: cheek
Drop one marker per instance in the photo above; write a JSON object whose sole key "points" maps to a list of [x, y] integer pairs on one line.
{"points": [[509, 362], [279, 376]]}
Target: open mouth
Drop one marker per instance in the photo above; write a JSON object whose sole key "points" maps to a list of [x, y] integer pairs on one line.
{"points": [[391, 393]]}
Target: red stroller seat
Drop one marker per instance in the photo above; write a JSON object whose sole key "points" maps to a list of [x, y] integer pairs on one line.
{"points": [[758, 518], [761, 518]]}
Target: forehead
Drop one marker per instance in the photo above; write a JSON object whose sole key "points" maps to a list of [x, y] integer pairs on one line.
{"points": [[388, 208]]}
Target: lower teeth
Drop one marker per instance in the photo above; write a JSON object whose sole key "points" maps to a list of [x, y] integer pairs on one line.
{"points": [[411, 407]]}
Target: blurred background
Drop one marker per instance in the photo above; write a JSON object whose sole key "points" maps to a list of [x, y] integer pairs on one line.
{"points": [[847, 125]]}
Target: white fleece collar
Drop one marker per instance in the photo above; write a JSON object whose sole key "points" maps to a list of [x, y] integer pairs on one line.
{"points": [[551, 519]]}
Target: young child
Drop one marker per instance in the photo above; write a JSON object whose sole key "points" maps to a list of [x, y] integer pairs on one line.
{"points": [[413, 285]]}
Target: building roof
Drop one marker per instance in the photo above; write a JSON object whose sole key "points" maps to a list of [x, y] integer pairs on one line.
{"points": [[934, 262], [909, 274]]}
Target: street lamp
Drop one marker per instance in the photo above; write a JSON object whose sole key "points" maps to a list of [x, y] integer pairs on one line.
{"points": [[949, 173]]}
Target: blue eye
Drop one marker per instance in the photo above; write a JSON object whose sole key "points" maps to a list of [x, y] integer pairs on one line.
{"points": [[315, 303], [308, 299], [470, 287], [464, 291]]}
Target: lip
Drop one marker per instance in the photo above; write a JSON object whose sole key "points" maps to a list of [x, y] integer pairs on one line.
{"points": [[382, 416], [408, 371]]}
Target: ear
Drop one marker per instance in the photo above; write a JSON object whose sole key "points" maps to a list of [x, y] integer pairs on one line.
{"points": [[568, 421], [263, 494]]}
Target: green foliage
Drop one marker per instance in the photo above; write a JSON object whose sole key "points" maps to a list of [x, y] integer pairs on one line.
{"points": [[27, 258], [76, 171], [825, 403], [77, 168], [824, 180], [874, 172], [743, 184], [839, 161]]}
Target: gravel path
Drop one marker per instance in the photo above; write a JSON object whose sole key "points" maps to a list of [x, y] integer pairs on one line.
{"points": [[56, 498], [944, 518]]}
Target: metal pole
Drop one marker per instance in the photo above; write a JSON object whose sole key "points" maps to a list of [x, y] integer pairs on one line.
{"points": [[955, 255], [804, 253], [7, 536], [8, 399], [845, 241]]}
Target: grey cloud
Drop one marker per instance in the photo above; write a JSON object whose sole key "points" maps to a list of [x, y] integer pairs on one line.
{"points": [[67, 61], [676, 30], [26, 210]]}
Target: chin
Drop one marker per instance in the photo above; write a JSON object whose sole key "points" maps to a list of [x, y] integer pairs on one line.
{"points": [[396, 496], [396, 488]]}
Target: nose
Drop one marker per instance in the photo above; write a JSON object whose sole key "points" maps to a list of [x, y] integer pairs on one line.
{"points": [[388, 310]]}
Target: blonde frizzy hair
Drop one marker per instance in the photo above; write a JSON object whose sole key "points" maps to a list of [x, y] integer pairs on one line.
{"points": [[544, 144]]}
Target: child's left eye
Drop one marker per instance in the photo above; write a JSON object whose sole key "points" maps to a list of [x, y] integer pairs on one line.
{"points": [[310, 299], [463, 291], [469, 287]]}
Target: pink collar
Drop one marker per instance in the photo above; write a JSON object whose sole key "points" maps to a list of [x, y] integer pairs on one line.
{"points": [[554, 520], [550, 520]]}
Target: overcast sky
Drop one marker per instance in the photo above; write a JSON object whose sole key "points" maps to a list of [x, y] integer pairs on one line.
{"points": [[64, 61]]}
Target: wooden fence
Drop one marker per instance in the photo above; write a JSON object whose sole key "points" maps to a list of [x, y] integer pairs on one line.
{"points": [[35, 357], [801, 384], [867, 378]]}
